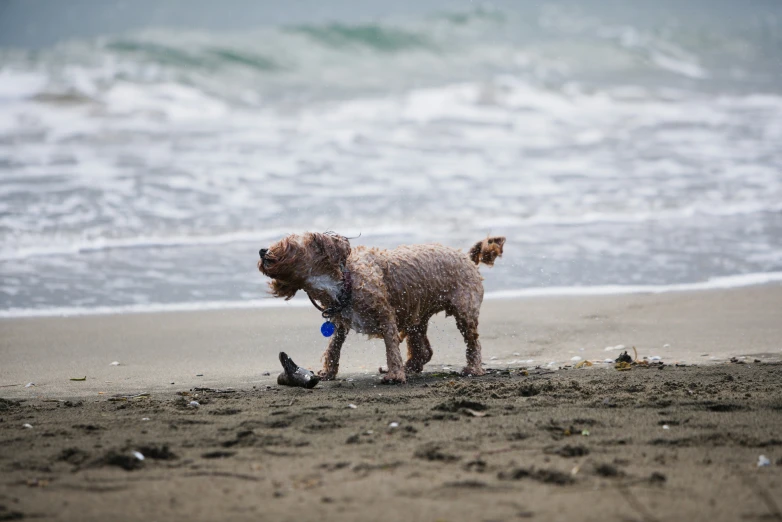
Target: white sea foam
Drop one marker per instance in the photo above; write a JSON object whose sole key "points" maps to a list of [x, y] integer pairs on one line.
{"points": [[717, 283], [86, 246], [190, 306], [17, 85], [431, 129], [104, 244]]}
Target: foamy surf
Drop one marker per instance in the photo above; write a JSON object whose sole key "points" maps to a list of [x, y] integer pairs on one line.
{"points": [[150, 167], [75, 311], [717, 283]]}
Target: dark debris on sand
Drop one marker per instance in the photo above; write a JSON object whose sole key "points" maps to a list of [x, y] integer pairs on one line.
{"points": [[591, 428], [434, 452], [546, 476]]}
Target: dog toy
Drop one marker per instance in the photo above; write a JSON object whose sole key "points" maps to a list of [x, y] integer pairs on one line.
{"points": [[295, 375]]}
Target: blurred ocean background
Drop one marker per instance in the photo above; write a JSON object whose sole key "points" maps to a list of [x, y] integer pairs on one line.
{"points": [[149, 149]]}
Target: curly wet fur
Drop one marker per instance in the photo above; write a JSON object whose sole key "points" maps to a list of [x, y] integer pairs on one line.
{"points": [[394, 292]]}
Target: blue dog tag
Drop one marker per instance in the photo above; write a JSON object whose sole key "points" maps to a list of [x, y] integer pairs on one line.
{"points": [[327, 329]]}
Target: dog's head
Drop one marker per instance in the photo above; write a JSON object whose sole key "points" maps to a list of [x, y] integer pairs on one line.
{"points": [[487, 251], [294, 260]]}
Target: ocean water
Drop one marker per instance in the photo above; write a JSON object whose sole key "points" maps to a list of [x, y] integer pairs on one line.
{"points": [[144, 169]]}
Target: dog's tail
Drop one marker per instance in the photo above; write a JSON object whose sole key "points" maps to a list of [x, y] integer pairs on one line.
{"points": [[487, 250]]}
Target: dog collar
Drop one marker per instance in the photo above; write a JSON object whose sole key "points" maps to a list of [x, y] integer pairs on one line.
{"points": [[343, 298]]}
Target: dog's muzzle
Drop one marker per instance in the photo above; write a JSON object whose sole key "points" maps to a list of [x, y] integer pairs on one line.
{"points": [[262, 253]]}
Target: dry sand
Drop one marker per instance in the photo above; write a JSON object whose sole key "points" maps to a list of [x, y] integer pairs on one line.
{"points": [[552, 442]]}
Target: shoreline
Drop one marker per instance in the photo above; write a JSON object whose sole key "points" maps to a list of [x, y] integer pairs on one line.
{"points": [[715, 283], [238, 348]]}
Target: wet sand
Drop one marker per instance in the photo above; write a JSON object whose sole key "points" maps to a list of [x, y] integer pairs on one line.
{"points": [[532, 440], [236, 347]]}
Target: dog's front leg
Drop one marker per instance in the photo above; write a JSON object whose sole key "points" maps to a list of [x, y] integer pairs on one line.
{"points": [[396, 371], [331, 355]]}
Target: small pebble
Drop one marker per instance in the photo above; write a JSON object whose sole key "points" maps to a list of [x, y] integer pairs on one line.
{"points": [[27, 426], [763, 461], [194, 404], [393, 425], [666, 427], [138, 455], [114, 363], [352, 406], [145, 419]]}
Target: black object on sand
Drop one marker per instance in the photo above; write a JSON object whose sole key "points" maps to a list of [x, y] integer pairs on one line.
{"points": [[295, 375]]}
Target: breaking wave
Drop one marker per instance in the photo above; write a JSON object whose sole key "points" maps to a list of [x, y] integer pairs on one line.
{"points": [[611, 151]]}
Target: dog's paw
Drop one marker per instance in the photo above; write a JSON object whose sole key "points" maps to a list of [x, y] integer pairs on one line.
{"points": [[327, 375], [470, 371], [414, 366], [394, 377]]}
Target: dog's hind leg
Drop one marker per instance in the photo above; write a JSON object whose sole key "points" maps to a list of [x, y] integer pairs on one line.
{"points": [[396, 371], [419, 351], [467, 322], [331, 355]]}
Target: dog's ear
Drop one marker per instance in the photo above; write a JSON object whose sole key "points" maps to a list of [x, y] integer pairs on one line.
{"points": [[487, 251], [333, 247], [282, 289], [498, 241]]}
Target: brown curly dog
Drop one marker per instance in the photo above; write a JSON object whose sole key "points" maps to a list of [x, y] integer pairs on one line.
{"points": [[390, 294]]}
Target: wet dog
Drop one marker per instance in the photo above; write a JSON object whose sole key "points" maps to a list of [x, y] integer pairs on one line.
{"points": [[389, 294]]}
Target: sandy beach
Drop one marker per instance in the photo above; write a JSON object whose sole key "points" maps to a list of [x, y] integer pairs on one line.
{"points": [[677, 436], [628, 153]]}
